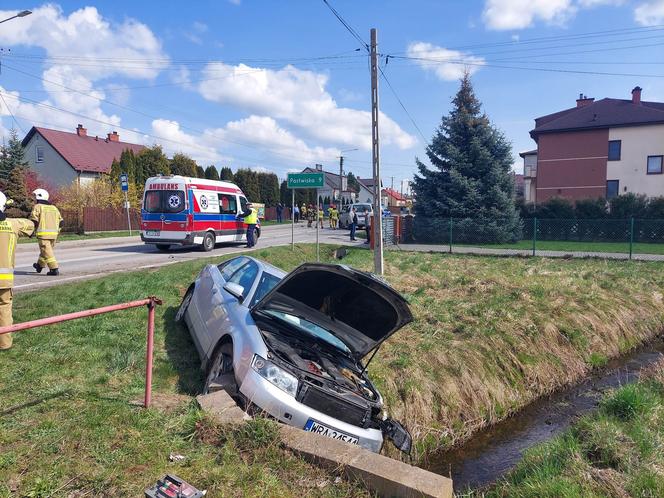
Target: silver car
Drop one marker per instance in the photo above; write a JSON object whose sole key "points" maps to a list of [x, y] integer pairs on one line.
{"points": [[291, 345]]}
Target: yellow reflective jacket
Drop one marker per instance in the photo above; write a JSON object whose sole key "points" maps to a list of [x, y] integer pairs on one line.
{"points": [[10, 230], [47, 220], [252, 218]]}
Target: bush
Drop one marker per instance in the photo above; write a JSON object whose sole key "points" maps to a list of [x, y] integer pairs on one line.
{"points": [[628, 206], [590, 209]]}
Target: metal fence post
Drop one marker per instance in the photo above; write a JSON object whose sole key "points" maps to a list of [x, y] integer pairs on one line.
{"points": [[148, 355], [534, 235], [631, 236], [451, 235]]}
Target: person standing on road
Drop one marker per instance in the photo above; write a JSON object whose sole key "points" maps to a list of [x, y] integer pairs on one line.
{"points": [[334, 217], [280, 210], [303, 212], [250, 216], [47, 219], [296, 214], [10, 230], [353, 224], [320, 216], [310, 215]]}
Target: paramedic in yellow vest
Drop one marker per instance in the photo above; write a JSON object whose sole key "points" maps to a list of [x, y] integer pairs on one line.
{"points": [[10, 230], [251, 220], [334, 217], [47, 221]]}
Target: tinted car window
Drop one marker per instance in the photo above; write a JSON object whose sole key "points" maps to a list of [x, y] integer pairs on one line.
{"points": [[227, 204], [245, 277], [228, 268], [267, 282], [164, 201]]}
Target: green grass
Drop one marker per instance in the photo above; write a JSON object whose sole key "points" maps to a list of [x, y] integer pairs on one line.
{"points": [[490, 336], [616, 451], [572, 246], [87, 236]]}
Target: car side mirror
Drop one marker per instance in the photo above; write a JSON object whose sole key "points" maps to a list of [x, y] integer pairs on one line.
{"points": [[235, 289]]}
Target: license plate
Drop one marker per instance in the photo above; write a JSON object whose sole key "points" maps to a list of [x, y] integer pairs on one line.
{"points": [[324, 430], [153, 233]]}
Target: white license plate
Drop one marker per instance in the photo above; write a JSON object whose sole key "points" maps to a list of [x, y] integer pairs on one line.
{"points": [[152, 233], [324, 430]]}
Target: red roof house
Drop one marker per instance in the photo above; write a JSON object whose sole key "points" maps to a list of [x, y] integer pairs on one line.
{"points": [[61, 157]]}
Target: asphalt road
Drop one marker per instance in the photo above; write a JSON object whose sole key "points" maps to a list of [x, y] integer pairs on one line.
{"points": [[81, 260]]}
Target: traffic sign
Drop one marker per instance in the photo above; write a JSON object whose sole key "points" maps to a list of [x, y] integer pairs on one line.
{"points": [[124, 182], [306, 180]]}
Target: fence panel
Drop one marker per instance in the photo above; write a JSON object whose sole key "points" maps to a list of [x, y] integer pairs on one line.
{"points": [[109, 219]]}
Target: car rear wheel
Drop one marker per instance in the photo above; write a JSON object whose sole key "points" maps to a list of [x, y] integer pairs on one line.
{"points": [[163, 247], [208, 242], [220, 373], [179, 316]]}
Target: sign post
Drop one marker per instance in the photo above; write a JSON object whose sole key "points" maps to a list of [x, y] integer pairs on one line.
{"points": [[124, 185], [305, 180]]}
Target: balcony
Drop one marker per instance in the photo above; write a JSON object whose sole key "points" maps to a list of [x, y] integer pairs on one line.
{"points": [[530, 171]]}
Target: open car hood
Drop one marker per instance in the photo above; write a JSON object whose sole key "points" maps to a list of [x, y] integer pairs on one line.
{"points": [[356, 307]]}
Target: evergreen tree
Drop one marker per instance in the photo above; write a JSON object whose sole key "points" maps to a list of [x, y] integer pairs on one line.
{"points": [[470, 179], [181, 164], [268, 186], [285, 194], [247, 180], [226, 174], [352, 183], [152, 162], [211, 173], [200, 172], [17, 190], [127, 166]]}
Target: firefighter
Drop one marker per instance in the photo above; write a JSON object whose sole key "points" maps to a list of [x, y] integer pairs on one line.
{"points": [[10, 230], [47, 220], [334, 217]]}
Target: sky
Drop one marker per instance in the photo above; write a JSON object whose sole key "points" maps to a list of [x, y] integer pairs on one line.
{"points": [[277, 86]]}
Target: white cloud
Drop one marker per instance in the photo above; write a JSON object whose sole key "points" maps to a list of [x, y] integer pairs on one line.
{"points": [[650, 13], [519, 14], [235, 2], [447, 64], [599, 3], [300, 99], [177, 140]]}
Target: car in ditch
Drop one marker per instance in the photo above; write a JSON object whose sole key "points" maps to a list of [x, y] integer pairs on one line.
{"points": [[293, 346]]}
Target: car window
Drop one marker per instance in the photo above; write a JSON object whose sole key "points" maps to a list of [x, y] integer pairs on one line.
{"points": [[245, 277], [309, 328], [227, 268], [227, 204], [265, 285]]}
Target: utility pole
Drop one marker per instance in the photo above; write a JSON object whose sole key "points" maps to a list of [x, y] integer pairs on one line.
{"points": [[341, 177], [375, 156], [391, 183]]}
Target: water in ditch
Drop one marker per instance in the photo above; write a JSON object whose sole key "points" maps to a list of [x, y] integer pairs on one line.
{"points": [[494, 451]]}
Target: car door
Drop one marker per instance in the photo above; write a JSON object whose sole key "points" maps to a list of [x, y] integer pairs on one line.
{"points": [[241, 233], [226, 311]]}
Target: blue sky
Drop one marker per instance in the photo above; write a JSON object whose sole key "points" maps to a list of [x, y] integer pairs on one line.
{"points": [[280, 85]]}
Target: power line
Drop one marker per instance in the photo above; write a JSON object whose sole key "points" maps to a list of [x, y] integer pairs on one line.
{"points": [[394, 92], [12, 114], [347, 26]]}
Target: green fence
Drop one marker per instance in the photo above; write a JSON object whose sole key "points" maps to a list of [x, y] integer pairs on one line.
{"points": [[536, 236]]}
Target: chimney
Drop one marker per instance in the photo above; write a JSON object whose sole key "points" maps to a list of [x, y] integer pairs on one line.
{"points": [[583, 100], [80, 131], [319, 167], [636, 95], [113, 137]]}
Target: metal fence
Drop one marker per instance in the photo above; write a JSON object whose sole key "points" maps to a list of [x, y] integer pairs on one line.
{"points": [[618, 238]]}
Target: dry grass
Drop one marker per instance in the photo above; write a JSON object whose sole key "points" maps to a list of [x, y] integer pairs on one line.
{"points": [[493, 334]]}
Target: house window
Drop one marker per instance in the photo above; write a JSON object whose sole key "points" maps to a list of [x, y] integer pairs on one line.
{"points": [[39, 154], [614, 150], [654, 165], [612, 187]]}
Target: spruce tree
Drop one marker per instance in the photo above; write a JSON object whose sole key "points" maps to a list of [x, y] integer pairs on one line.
{"points": [[470, 179], [17, 190], [226, 174], [211, 173]]}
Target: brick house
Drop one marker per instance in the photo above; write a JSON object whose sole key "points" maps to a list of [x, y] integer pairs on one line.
{"points": [[60, 157], [597, 149]]}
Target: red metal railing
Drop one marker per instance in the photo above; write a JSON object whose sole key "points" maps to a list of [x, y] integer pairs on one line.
{"points": [[150, 302]]}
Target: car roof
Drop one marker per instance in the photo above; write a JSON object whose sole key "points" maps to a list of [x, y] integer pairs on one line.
{"points": [[265, 266]]}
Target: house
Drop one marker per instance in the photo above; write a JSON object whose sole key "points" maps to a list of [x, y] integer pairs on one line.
{"points": [[332, 185], [60, 157], [597, 149], [394, 198]]}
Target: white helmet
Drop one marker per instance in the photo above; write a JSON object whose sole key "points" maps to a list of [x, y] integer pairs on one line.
{"points": [[3, 202], [40, 194]]}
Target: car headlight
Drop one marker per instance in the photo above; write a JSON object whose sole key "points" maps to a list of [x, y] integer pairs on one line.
{"points": [[284, 380]]}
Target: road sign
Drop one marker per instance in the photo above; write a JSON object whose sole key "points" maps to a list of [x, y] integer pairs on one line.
{"points": [[306, 180], [124, 182]]}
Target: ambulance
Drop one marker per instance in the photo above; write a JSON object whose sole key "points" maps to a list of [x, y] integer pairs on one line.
{"points": [[184, 211]]}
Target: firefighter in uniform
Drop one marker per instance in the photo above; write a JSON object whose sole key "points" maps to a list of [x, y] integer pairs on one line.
{"points": [[47, 219], [10, 230]]}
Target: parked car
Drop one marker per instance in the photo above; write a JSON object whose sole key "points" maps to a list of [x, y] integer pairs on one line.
{"points": [[292, 345], [364, 211]]}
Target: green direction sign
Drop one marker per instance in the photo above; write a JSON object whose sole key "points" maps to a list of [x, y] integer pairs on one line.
{"points": [[306, 180]]}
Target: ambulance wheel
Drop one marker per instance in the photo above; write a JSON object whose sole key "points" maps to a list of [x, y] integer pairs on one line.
{"points": [[208, 242], [163, 247]]}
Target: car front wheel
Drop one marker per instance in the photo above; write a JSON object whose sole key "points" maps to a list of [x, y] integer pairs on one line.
{"points": [[220, 373], [179, 316]]}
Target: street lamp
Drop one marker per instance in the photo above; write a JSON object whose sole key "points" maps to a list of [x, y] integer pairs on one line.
{"points": [[23, 13]]}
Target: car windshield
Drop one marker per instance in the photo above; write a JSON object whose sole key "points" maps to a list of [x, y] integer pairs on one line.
{"points": [[362, 208], [309, 328], [267, 282]]}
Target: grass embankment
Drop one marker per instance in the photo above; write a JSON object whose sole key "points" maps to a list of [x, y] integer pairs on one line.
{"points": [[490, 336], [617, 451], [88, 236], [572, 246], [67, 428]]}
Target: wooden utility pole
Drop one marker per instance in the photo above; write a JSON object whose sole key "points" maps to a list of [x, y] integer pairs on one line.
{"points": [[375, 156], [341, 177]]}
